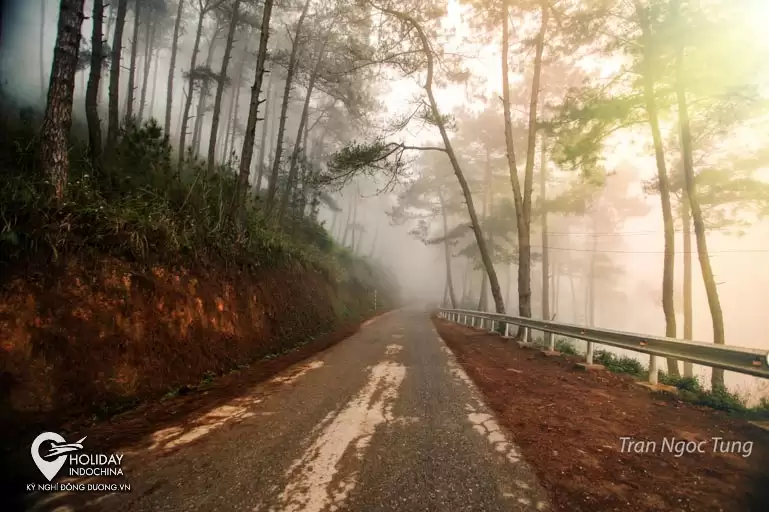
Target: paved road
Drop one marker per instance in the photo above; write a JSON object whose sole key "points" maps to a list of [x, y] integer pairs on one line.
{"points": [[384, 421]]}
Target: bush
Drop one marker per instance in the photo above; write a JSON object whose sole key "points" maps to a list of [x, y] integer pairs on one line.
{"points": [[565, 346], [721, 399], [616, 364], [142, 206], [685, 383]]}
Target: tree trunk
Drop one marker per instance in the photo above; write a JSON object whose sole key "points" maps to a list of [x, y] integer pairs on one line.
{"points": [[203, 100], [273, 136], [263, 142], [106, 35], [688, 310], [334, 219], [711, 290], [522, 199], [272, 189], [224, 138], [230, 113], [302, 123], [590, 313], [574, 305], [483, 299], [220, 85], [253, 108], [465, 284], [347, 223], [172, 70], [179, 116], [149, 48], [190, 92], [555, 282], [154, 84], [545, 251], [524, 238], [224, 145], [234, 133], [668, 272], [92, 92], [132, 70], [42, 53], [509, 284], [436, 115], [54, 136], [354, 225], [447, 252], [310, 155], [113, 121], [233, 97], [373, 248]]}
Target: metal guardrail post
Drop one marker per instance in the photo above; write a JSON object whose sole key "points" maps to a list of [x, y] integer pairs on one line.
{"points": [[747, 361], [653, 369]]}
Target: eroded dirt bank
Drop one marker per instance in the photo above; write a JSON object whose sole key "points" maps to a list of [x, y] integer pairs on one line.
{"points": [[568, 424], [95, 337]]}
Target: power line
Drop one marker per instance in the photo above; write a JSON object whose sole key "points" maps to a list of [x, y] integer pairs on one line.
{"points": [[650, 252], [622, 233]]}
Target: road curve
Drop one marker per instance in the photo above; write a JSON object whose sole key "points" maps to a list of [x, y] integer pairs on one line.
{"points": [[384, 421]]}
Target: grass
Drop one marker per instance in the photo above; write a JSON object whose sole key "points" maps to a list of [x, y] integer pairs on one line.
{"points": [[616, 364], [137, 207], [565, 346], [691, 389]]}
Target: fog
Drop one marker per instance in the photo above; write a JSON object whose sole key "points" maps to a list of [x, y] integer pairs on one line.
{"points": [[628, 285]]}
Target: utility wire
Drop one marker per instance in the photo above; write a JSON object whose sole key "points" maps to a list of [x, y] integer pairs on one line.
{"points": [[622, 233], [650, 252]]}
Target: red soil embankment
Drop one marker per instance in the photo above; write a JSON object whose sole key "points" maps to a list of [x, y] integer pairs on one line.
{"points": [[87, 335], [569, 423]]}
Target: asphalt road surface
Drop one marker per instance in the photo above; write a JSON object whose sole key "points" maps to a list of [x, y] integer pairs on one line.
{"points": [[384, 421]]}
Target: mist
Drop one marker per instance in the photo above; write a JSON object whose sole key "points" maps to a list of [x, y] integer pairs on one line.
{"points": [[395, 219]]}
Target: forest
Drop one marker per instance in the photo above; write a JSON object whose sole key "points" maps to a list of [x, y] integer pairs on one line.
{"points": [[497, 132]]}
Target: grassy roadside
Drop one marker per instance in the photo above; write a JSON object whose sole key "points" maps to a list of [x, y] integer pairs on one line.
{"points": [[690, 389]]}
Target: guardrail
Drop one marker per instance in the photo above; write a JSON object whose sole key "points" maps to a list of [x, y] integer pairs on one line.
{"points": [[749, 361]]}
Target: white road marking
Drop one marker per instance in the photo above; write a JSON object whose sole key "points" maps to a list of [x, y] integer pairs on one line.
{"points": [[485, 425], [177, 436], [393, 349], [488, 427], [351, 428], [235, 410], [296, 373]]}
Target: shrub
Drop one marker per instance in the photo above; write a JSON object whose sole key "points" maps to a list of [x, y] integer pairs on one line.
{"points": [[139, 205], [616, 364], [685, 383], [565, 346]]}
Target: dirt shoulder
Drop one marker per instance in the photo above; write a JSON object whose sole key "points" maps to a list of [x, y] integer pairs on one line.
{"points": [[134, 428], [568, 424]]}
